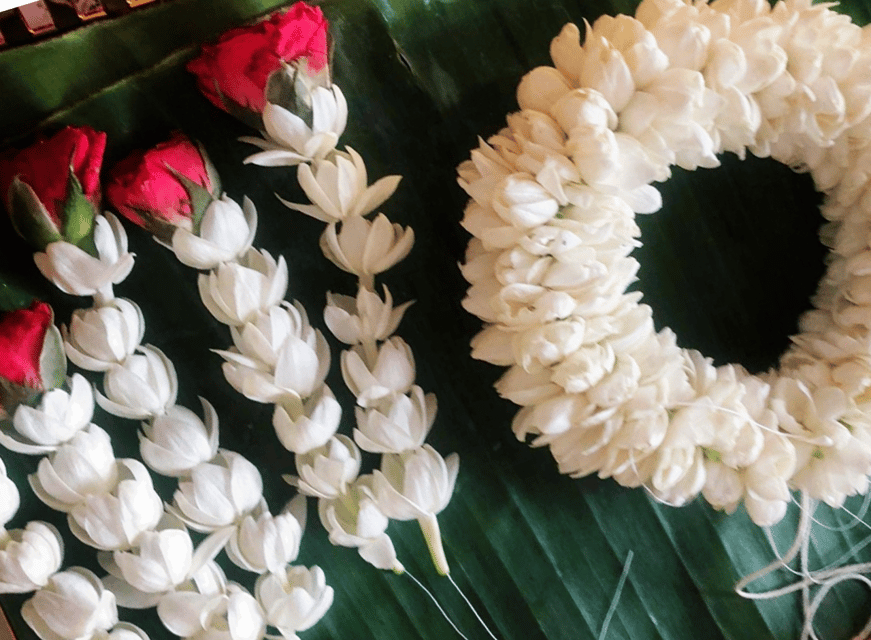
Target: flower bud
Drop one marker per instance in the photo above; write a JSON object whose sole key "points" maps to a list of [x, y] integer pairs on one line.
{"points": [[29, 557], [398, 424], [52, 188], [164, 188], [56, 419], [295, 600], [161, 560], [218, 493], [266, 543], [366, 318], [303, 428], [102, 336], [225, 232], [74, 604], [236, 291], [366, 248], [83, 466], [77, 272], [10, 499], [392, 372], [523, 202], [177, 441], [325, 472], [115, 520], [416, 483], [144, 385], [541, 88], [338, 188]]}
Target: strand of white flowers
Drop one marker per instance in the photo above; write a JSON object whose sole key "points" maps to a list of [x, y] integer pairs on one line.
{"points": [[393, 414], [176, 443], [71, 604], [551, 211]]}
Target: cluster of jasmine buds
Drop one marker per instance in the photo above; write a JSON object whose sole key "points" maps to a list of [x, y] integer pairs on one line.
{"points": [[393, 414], [553, 201]]}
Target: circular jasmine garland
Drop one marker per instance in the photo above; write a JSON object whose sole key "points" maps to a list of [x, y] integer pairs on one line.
{"points": [[553, 200]]}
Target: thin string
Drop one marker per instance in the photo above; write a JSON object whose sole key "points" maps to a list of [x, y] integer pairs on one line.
{"points": [[825, 578], [469, 604], [820, 441], [613, 607], [438, 606]]}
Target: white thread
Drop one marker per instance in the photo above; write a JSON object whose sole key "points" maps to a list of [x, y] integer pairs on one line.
{"points": [[438, 606], [825, 578], [469, 604], [613, 607], [821, 441]]}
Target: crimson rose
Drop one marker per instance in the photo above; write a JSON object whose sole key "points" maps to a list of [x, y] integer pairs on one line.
{"points": [[166, 187], [31, 355], [234, 73], [52, 188]]}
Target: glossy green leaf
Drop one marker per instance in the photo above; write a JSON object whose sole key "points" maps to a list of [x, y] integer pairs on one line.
{"points": [[729, 264]]}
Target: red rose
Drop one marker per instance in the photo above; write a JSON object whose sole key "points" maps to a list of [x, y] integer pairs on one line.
{"points": [[165, 187], [52, 188], [32, 356], [233, 74]]}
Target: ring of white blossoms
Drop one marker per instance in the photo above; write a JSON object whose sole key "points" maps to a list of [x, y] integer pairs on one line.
{"points": [[553, 201]]}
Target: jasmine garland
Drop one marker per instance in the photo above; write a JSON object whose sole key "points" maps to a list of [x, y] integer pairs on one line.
{"points": [[553, 201]]}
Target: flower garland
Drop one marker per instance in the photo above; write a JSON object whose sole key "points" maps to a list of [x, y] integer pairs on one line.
{"points": [[553, 201]]}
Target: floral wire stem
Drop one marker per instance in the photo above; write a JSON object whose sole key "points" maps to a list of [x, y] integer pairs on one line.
{"points": [[156, 565]]}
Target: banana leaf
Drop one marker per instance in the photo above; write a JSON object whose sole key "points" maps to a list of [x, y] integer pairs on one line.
{"points": [[729, 264]]}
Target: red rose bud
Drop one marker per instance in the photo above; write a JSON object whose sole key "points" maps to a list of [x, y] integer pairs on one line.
{"points": [[234, 73], [32, 358], [52, 188], [165, 187]]}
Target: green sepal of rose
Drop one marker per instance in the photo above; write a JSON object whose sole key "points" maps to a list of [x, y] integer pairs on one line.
{"points": [[52, 373], [32, 221]]}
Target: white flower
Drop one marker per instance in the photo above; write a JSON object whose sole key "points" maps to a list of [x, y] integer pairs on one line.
{"points": [[302, 427], [605, 70], [76, 272], [29, 557], [294, 600], [338, 188], [290, 141], [366, 248], [415, 484], [236, 291], [277, 354], [325, 472], [266, 543], [212, 609], [226, 232], [583, 108], [160, 561], [585, 367], [115, 520], [218, 493], [9, 497], [398, 424], [353, 519], [72, 606], [144, 385], [547, 344], [58, 417], [391, 373], [366, 318], [177, 441], [523, 202], [83, 466], [418, 484], [541, 88], [102, 336]]}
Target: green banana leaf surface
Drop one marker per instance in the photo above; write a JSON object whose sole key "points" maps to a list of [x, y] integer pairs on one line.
{"points": [[729, 264]]}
